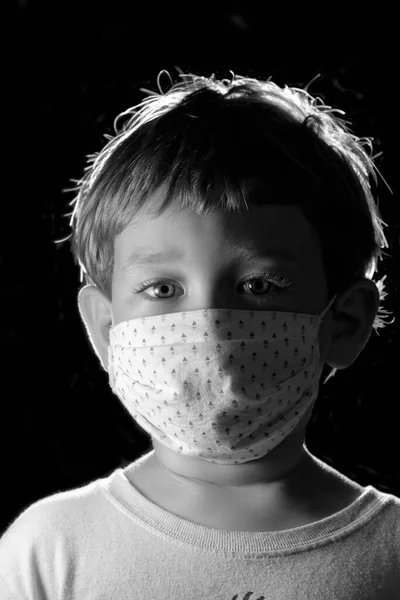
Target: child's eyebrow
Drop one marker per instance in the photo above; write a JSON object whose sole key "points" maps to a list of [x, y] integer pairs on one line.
{"points": [[242, 254]]}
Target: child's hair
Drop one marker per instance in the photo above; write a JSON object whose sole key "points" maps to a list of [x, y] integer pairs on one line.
{"points": [[220, 143]]}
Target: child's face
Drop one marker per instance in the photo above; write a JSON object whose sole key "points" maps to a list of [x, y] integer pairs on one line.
{"points": [[204, 275]]}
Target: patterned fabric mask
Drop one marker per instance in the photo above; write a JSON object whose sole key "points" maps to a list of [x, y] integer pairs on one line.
{"points": [[226, 386]]}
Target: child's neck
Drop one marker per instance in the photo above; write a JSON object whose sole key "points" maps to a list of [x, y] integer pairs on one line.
{"points": [[272, 470], [307, 495]]}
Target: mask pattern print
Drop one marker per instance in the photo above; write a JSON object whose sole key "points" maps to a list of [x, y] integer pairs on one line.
{"points": [[226, 386]]}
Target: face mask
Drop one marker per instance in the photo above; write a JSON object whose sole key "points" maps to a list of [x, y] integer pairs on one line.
{"points": [[226, 386]]}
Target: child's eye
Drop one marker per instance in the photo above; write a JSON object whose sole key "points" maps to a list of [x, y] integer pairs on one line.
{"points": [[252, 283]]}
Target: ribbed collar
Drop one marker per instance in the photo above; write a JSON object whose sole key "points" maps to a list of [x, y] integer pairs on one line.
{"points": [[152, 517]]}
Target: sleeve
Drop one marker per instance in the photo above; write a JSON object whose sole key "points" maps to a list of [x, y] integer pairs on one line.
{"points": [[6, 593], [25, 559]]}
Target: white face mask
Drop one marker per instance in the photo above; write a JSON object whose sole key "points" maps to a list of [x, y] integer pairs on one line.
{"points": [[226, 386]]}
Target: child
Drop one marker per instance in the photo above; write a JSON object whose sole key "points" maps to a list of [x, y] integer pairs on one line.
{"points": [[229, 238]]}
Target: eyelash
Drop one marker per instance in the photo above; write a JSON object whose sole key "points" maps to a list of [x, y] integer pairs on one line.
{"points": [[270, 276]]}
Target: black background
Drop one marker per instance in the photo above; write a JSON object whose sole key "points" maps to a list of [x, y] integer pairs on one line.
{"points": [[74, 67]]}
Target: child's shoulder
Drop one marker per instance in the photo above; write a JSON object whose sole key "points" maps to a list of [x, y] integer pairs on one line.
{"points": [[333, 492], [54, 513]]}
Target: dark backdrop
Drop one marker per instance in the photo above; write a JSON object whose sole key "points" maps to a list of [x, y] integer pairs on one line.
{"points": [[75, 65]]}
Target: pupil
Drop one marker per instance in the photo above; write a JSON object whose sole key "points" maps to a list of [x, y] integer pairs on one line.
{"points": [[259, 284]]}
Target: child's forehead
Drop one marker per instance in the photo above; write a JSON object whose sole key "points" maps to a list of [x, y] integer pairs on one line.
{"points": [[280, 227]]}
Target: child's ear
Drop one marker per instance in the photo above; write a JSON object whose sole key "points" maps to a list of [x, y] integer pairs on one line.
{"points": [[354, 312], [96, 313]]}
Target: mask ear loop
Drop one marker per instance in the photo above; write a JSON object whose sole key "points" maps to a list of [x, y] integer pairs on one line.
{"points": [[333, 371], [322, 315]]}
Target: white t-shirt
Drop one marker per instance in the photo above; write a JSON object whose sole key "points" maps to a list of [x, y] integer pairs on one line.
{"points": [[107, 541]]}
